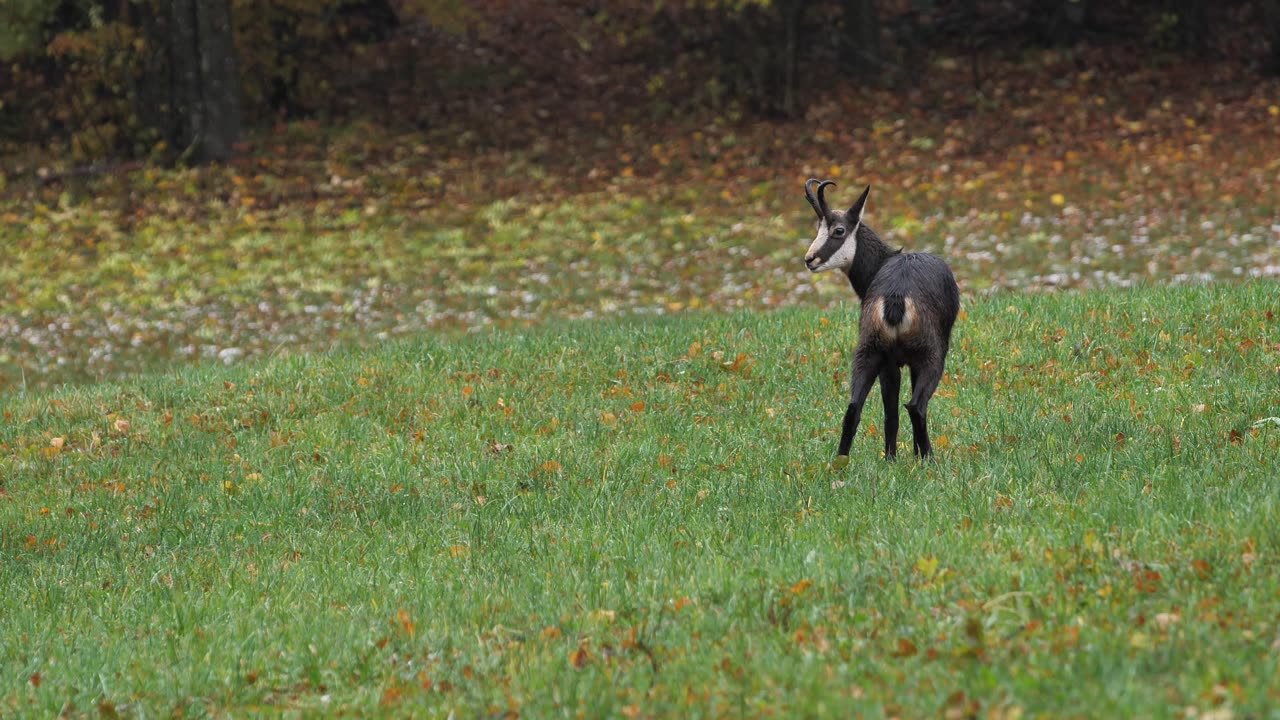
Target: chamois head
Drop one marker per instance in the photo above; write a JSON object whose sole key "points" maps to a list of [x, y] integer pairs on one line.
{"points": [[836, 243]]}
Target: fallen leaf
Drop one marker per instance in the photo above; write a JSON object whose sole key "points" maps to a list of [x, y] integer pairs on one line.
{"points": [[927, 566], [406, 623]]}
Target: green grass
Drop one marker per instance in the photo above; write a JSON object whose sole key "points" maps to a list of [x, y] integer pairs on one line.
{"points": [[637, 517]]}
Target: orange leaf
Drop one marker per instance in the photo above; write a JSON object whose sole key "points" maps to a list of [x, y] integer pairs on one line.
{"points": [[578, 658], [406, 623], [637, 407], [906, 648], [801, 586], [551, 466]]}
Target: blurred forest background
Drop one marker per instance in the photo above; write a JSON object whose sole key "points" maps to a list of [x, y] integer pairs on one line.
{"points": [[185, 80], [225, 178]]}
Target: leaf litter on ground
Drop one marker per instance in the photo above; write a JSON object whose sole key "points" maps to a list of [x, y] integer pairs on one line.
{"points": [[322, 236]]}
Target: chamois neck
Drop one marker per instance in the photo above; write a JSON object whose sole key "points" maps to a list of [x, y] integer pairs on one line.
{"points": [[871, 254]]}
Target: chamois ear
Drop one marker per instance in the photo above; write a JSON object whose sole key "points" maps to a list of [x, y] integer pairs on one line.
{"points": [[855, 211]]}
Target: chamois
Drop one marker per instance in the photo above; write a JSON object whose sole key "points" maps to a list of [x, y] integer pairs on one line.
{"points": [[909, 304]]}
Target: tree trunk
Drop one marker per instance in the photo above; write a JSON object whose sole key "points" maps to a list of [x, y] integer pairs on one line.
{"points": [[791, 12], [1271, 22], [1059, 23], [205, 87], [1193, 31], [861, 48]]}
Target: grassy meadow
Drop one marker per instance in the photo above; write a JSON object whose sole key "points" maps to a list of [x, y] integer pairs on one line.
{"points": [[637, 517], [429, 422]]}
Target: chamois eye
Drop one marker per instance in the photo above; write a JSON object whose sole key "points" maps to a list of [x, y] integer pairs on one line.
{"points": [[838, 232]]}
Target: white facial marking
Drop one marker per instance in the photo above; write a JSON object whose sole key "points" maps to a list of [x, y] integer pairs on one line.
{"points": [[843, 256], [818, 241]]}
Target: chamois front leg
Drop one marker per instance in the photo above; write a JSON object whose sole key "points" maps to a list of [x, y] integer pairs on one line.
{"points": [[866, 366], [890, 385]]}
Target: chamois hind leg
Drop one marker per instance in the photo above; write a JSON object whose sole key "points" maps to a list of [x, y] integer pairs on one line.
{"points": [[890, 385], [925, 377], [866, 367]]}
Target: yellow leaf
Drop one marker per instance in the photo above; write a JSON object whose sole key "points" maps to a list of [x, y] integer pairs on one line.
{"points": [[927, 566], [1057, 199], [1274, 110]]}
